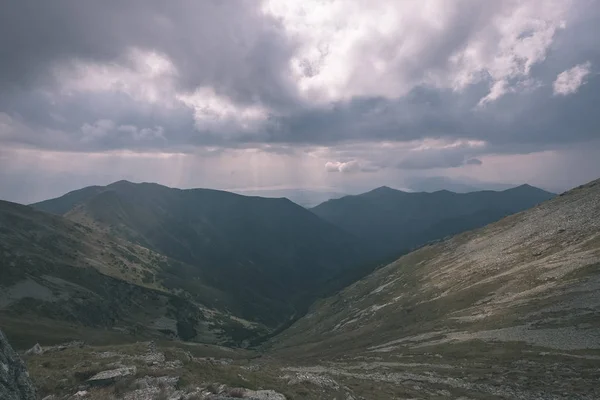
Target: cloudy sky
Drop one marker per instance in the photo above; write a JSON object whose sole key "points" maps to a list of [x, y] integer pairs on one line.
{"points": [[341, 95]]}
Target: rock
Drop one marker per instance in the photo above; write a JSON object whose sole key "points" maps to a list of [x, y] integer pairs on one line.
{"points": [[161, 381], [111, 376], [64, 346], [115, 365], [35, 350], [263, 395], [152, 358], [151, 388], [81, 393], [14, 378]]}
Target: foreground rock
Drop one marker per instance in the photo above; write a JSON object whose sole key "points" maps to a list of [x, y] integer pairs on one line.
{"points": [[14, 378], [111, 376], [237, 393], [35, 350], [263, 395]]}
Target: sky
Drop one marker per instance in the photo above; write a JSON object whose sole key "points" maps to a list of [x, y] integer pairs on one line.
{"points": [[326, 95]]}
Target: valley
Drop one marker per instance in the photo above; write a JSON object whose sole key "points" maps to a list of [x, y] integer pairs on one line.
{"points": [[153, 282]]}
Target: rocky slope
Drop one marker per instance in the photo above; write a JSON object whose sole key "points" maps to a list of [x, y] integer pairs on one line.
{"points": [[14, 378], [511, 310], [395, 222]]}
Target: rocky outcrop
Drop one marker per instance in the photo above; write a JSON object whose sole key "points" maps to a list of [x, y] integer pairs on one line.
{"points": [[14, 378], [35, 350], [111, 376], [263, 395]]}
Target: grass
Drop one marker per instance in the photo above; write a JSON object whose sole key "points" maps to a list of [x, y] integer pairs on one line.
{"points": [[24, 332], [64, 372]]}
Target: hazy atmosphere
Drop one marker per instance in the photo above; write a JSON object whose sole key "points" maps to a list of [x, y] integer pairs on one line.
{"points": [[299, 199], [335, 96]]}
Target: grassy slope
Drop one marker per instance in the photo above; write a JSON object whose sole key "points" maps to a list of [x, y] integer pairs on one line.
{"points": [[268, 255], [511, 310], [65, 276], [487, 278]]}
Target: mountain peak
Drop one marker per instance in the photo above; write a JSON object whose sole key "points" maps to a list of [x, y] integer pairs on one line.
{"points": [[122, 182], [384, 189], [527, 188]]}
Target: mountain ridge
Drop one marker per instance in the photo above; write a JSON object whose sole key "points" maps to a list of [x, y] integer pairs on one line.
{"points": [[510, 310], [266, 256], [395, 220]]}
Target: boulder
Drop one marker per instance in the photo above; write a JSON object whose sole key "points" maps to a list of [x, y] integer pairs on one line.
{"points": [[111, 376], [35, 350], [14, 378]]}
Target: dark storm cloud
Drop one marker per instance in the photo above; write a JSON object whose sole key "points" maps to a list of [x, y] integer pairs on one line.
{"points": [[244, 56], [229, 45], [527, 120], [519, 122], [59, 123], [474, 161]]}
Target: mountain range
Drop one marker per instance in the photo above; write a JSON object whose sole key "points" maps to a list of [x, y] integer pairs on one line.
{"points": [[209, 265], [394, 222], [249, 263], [507, 310]]}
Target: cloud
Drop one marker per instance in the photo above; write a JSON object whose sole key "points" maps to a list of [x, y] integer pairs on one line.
{"points": [[348, 167], [439, 154], [411, 156], [387, 48], [569, 81], [474, 161], [387, 87], [291, 72]]}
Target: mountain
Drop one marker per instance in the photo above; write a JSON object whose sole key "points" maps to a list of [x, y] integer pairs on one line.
{"points": [[511, 310], [394, 221], [265, 258], [64, 278], [507, 311]]}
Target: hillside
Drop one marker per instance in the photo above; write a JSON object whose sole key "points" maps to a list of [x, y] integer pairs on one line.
{"points": [[267, 255], [508, 311], [511, 310], [63, 278], [395, 222]]}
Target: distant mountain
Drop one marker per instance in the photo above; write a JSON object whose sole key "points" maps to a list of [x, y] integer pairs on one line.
{"points": [[511, 310], [304, 197], [267, 256], [437, 183], [394, 221]]}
